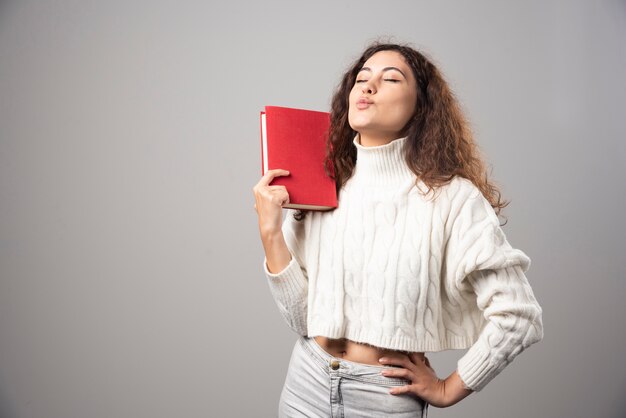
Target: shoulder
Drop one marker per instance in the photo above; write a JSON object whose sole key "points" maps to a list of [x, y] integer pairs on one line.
{"points": [[458, 192], [465, 204], [460, 188]]}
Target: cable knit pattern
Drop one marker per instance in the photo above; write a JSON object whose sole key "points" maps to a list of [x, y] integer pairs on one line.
{"points": [[397, 269]]}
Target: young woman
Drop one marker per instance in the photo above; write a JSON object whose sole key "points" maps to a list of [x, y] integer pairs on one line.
{"points": [[394, 272]]}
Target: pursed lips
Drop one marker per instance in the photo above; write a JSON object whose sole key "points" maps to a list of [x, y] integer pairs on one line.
{"points": [[363, 103]]}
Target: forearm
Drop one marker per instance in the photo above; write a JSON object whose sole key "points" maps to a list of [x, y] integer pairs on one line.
{"points": [[454, 389], [288, 282], [276, 251]]}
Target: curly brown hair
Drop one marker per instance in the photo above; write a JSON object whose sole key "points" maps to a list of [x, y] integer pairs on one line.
{"points": [[440, 142]]}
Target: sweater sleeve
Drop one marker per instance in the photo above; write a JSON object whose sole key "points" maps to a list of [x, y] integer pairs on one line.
{"points": [[289, 287], [487, 265]]}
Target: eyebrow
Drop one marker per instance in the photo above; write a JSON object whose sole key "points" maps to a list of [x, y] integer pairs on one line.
{"points": [[384, 69]]}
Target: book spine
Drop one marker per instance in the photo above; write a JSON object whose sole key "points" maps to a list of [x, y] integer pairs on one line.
{"points": [[261, 131]]}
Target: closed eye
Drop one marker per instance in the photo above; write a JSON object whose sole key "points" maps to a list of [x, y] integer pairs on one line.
{"points": [[386, 79]]}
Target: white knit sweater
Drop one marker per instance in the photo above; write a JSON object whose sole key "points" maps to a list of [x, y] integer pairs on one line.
{"points": [[395, 269]]}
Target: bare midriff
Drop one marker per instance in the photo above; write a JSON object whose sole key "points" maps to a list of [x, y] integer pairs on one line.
{"points": [[357, 352]]}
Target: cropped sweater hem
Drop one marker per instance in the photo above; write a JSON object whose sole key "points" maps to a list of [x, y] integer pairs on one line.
{"points": [[394, 342]]}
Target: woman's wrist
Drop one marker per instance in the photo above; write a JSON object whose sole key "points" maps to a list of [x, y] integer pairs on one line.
{"points": [[454, 389]]}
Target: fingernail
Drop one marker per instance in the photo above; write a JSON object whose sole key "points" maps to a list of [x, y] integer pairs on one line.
{"points": [[382, 359]]}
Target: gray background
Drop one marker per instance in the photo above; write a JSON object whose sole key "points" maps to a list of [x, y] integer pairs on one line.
{"points": [[131, 266]]}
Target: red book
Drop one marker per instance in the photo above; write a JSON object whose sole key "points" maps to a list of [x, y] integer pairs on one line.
{"points": [[295, 140]]}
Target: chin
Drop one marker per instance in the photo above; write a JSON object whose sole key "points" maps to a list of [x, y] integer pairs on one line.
{"points": [[358, 125], [365, 128]]}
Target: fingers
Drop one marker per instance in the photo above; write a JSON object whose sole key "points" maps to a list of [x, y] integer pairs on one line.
{"points": [[272, 194], [263, 186], [270, 174], [411, 364], [279, 187], [284, 198], [417, 358], [402, 360], [276, 197], [403, 373], [400, 390]]}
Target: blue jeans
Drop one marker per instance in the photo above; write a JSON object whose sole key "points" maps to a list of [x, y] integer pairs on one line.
{"points": [[321, 385]]}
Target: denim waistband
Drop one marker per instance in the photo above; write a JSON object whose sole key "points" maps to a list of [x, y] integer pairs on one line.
{"points": [[359, 371]]}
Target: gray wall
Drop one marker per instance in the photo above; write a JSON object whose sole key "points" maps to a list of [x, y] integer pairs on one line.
{"points": [[131, 279]]}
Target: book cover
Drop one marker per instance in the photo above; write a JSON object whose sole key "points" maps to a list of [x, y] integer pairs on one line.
{"points": [[295, 140]]}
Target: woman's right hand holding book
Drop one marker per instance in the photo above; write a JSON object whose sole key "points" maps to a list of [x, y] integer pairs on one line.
{"points": [[268, 205]]}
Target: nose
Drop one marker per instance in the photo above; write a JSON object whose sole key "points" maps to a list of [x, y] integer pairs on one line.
{"points": [[368, 88]]}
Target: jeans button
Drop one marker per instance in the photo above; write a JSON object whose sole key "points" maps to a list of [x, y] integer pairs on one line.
{"points": [[334, 364]]}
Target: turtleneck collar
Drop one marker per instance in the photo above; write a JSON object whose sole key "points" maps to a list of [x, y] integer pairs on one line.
{"points": [[381, 165]]}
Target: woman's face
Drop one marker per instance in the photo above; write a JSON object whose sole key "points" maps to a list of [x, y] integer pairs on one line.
{"points": [[383, 97]]}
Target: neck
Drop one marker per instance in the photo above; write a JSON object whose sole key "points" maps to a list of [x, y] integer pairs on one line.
{"points": [[382, 165], [372, 140]]}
